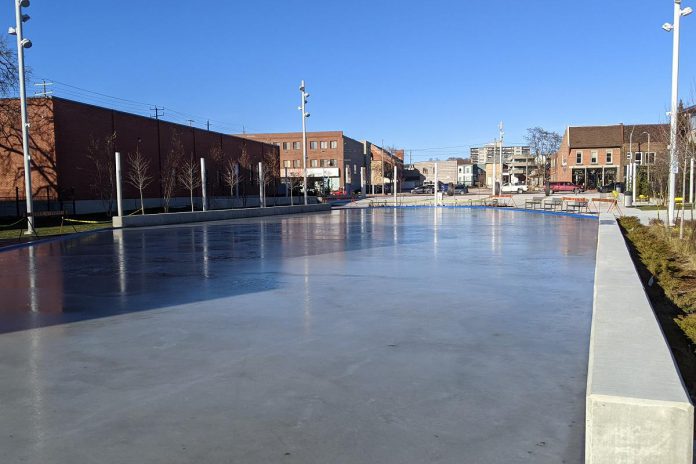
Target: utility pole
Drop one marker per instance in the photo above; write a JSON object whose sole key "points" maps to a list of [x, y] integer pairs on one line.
{"points": [[158, 112], [157, 115], [207, 125], [190, 121], [381, 151], [502, 134], [45, 92]]}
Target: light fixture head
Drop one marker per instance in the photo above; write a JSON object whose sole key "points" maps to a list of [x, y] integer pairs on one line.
{"points": [[25, 18], [306, 96], [667, 27], [11, 30], [306, 115], [687, 11], [302, 87], [24, 3], [26, 43]]}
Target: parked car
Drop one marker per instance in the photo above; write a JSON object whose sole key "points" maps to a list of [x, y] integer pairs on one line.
{"points": [[611, 187], [513, 188], [565, 187], [460, 189], [422, 189]]}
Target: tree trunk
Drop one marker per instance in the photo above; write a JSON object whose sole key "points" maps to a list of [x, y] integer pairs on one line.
{"points": [[142, 203], [191, 192]]}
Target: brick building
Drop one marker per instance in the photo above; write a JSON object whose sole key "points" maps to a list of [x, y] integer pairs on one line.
{"points": [[592, 156], [333, 159], [70, 139], [383, 161]]}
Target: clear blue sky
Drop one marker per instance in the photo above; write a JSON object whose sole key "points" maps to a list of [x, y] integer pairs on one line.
{"points": [[415, 74]]}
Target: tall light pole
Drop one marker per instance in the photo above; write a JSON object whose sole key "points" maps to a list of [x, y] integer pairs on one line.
{"points": [[674, 116], [305, 115], [23, 43]]}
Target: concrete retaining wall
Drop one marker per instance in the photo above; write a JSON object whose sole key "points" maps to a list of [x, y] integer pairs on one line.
{"points": [[637, 410], [146, 220]]}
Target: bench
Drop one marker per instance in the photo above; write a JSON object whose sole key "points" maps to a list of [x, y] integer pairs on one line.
{"points": [[576, 204], [534, 202], [553, 204]]}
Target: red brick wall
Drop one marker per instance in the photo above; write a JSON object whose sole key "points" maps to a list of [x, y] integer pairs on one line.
{"points": [[42, 148], [77, 123]]}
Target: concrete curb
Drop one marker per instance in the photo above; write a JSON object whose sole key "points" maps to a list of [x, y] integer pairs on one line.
{"points": [[149, 220], [637, 409]]}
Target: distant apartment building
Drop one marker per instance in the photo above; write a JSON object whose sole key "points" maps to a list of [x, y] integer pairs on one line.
{"points": [[593, 156], [447, 171], [334, 160], [484, 154]]}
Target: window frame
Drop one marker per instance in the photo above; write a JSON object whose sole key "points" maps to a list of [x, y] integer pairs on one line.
{"points": [[578, 157]]}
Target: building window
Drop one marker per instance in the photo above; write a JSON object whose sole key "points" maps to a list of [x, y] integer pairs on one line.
{"points": [[314, 163], [286, 163], [425, 170], [333, 163], [355, 168], [334, 144], [324, 163], [638, 156], [650, 157], [296, 163], [609, 157], [286, 145], [578, 157], [313, 145], [324, 145], [593, 157], [296, 145]]}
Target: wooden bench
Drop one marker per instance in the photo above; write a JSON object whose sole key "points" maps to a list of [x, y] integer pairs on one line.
{"points": [[576, 204]]}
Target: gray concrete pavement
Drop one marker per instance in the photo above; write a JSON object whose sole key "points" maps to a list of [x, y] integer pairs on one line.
{"points": [[362, 336]]}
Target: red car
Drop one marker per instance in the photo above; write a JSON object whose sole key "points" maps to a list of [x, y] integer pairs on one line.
{"points": [[565, 187]]}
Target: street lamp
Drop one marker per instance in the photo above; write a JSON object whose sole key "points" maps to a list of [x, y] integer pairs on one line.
{"points": [[674, 116], [305, 115], [23, 43]]}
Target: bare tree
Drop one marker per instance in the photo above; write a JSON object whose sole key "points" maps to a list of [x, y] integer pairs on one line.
{"points": [[100, 154], [271, 171], [189, 176], [139, 174], [8, 69], [543, 144], [295, 183], [230, 175], [170, 166]]}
